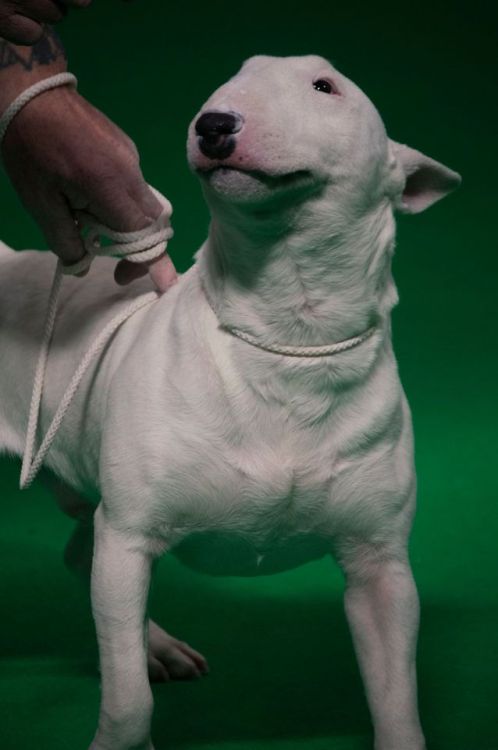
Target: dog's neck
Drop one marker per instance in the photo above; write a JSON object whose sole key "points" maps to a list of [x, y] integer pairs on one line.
{"points": [[305, 286]]}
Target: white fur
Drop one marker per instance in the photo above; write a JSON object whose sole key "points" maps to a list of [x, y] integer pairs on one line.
{"points": [[239, 460]]}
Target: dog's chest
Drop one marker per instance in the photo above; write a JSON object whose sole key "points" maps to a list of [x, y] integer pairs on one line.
{"points": [[265, 465], [260, 507]]}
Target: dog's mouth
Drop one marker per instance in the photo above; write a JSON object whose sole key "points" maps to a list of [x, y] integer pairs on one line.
{"points": [[299, 177]]}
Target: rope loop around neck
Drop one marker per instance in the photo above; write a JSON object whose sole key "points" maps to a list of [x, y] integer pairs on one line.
{"points": [[325, 350]]}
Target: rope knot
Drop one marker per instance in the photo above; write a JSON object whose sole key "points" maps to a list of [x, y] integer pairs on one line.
{"points": [[140, 246]]}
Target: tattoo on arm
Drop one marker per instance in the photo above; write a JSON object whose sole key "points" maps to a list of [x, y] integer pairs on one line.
{"points": [[44, 52]]}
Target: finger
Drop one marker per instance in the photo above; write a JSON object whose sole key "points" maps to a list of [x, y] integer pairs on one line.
{"points": [[21, 30], [161, 270], [126, 272], [60, 230]]}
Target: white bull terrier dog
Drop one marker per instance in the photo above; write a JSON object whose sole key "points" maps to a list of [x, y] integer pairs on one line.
{"points": [[252, 418]]}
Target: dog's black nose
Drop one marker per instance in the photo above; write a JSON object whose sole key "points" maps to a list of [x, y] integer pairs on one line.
{"points": [[212, 124], [216, 132]]}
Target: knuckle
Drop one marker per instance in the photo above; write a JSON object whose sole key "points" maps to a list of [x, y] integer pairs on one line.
{"points": [[131, 145]]}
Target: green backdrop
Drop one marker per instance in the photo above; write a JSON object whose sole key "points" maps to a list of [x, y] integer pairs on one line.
{"points": [[283, 674]]}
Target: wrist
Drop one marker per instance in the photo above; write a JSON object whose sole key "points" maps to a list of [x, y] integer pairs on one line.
{"points": [[35, 105], [22, 80]]}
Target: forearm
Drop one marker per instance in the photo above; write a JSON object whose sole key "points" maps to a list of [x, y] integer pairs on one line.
{"points": [[21, 66], [61, 154]]}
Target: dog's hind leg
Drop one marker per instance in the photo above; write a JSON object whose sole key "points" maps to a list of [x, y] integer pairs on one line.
{"points": [[382, 608], [168, 658]]}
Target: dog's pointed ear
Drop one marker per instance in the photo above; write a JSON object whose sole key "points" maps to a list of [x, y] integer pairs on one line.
{"points": [[424, 180]]}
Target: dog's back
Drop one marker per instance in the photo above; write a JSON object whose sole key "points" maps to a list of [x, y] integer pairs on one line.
{"points": [[85, 306]]}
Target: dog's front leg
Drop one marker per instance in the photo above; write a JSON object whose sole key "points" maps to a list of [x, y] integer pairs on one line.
{"points": [[382, 608], [120, 583]]}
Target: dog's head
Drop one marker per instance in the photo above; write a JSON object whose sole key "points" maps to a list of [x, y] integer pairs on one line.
{"points": [[284, 128]]}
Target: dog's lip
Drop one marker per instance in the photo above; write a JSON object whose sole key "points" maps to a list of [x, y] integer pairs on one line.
{"points": [[270, 178]]}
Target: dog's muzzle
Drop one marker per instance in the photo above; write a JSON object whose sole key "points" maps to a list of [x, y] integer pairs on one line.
{"points": [[216, 131]]}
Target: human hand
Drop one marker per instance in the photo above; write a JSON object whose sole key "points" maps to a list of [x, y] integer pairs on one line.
{"points": [[63, 155], [21, 21]]}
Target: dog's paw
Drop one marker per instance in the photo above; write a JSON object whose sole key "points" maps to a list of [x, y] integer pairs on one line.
{"points": [[171, 659]]}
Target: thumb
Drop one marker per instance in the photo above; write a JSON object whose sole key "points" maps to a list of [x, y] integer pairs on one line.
{"points": [[163, 272]]}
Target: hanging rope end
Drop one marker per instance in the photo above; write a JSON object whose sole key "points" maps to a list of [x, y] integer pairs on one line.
{"points": [[25, 480]]}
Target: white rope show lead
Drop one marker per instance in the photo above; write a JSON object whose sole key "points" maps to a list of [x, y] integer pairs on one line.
{"points": [[61, 79], [139, 246], [30, 465]]}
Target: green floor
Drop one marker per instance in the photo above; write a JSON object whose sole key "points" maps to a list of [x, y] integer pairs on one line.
{"points": [[283, 675]]}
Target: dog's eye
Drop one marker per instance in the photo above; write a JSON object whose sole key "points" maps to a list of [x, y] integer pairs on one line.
{"points": [[326, 86]]}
